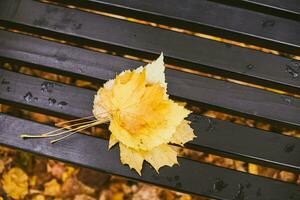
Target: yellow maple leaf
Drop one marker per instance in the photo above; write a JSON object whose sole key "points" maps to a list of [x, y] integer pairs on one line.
{"points": [[143, 120], [132, 157], [155, 71], [15, 183], [162, 155], [129, 103], [112, 141], [183, 133]]}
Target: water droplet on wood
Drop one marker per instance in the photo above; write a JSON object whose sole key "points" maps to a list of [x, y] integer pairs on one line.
{"points": [[47, 86], [51, 101], [219, 185], [250, 66], [289, 148], [62, 104], [28, 97], [292, 71], [258, 192], [4, 82], [210, 127], [240, 193]]}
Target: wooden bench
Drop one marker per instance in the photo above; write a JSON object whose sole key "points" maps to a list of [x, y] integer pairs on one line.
{"points": [[27, 26]]}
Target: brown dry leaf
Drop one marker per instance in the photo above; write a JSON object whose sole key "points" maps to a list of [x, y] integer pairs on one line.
{"points": [[147, 192], [83, 197], [57, 170], [15, 183], [52, 188], [72, 186], [288, 176], [86, 189], [92, 178]]}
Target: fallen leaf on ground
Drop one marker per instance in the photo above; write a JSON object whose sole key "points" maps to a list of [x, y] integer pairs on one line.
{"points": [[92, 178], [1, 166], [15, 183], [83, 197], [118, 196], [57, 170], [68, 172], [72, 187], [52, 188], [39, 197]]}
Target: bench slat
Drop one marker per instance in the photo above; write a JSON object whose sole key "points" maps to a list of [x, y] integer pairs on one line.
{"points": [[197, 53], [289, 6], [216, 136], [289, 9], [193, 177], [219, 94], [211, 17]]}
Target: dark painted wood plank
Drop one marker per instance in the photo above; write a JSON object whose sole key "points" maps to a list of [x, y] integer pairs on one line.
{"points": [[289, 9], [290, 6], [215, 136], [255, 103], [210, 17], [191, 177], [130, 38]]}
